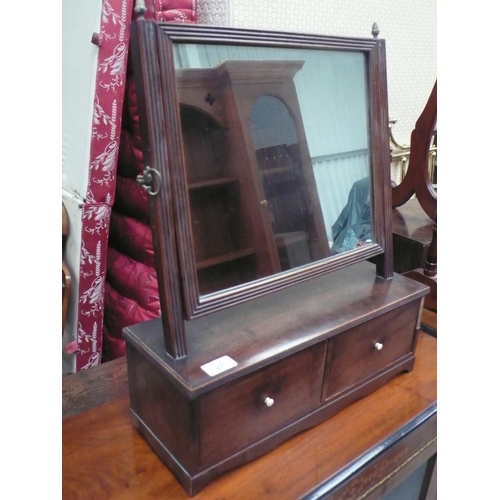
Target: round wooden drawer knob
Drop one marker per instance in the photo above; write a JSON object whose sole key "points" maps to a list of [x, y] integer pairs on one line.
{"points": [[379, 346]]}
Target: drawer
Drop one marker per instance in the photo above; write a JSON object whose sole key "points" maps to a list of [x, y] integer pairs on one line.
{"points": [[352, 356], [245, 410]]}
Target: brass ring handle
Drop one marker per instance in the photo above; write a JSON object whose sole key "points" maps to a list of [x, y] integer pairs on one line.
{"points": [[145, 180]]}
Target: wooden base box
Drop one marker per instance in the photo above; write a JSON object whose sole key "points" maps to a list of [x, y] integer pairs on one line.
{"points": [[279, 364]]}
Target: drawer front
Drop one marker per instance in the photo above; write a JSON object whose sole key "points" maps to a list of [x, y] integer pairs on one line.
{"points": [[245, 410], [355, 354]]}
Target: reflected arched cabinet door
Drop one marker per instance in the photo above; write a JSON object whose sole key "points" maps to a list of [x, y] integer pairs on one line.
{"points": [[290, 194], [254, 205]]}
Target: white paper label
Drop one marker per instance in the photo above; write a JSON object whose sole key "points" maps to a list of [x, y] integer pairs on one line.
{"points": [[218, 365]]}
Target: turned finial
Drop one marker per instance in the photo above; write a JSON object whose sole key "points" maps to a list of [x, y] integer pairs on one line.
{"points": [[140, 8], [375, 30]]}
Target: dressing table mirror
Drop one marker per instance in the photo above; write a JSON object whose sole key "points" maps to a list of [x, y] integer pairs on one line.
{"points": [[268, 178]]}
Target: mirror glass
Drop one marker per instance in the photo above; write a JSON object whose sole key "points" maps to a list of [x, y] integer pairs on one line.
{"points": [[276, 148]]}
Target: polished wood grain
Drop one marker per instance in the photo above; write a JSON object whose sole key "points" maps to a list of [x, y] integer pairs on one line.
{"points": [[257, 332], [410, 221], [105, 457], [294, 384], [415, 247], [412, 236], [170, 398], [429, 318], [98, 385], [352, 356], [158, 154]]}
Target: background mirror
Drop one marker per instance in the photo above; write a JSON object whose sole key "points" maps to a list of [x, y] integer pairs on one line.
{"points": [[277, 158]]}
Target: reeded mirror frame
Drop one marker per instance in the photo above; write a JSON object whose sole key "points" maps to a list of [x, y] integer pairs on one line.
{"points": [[152, 52]]}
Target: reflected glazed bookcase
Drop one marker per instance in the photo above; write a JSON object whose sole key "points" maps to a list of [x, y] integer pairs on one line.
{"points": [[225, 173]]}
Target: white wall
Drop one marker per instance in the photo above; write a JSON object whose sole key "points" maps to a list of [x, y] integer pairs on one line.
{"points": [[409, 28], [79, 60]]}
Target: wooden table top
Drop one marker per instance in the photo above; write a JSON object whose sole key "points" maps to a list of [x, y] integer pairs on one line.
{"points": [[104, 456], [410, 221]]}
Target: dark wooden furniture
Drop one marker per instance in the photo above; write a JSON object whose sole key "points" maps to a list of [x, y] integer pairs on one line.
{"points": [[287, 375], [224, 377], [412, 229], [370, 449], [417, 183], [417, 180], [66, 276], [89, 389]]}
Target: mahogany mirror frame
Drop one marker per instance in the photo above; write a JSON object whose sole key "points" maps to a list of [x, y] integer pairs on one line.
{"points": [[165, 179]]}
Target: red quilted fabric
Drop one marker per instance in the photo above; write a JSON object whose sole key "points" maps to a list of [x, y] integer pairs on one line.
{"points": [[120, 313], [131, 199], [130, 159], [135, 281], [133, 237]]}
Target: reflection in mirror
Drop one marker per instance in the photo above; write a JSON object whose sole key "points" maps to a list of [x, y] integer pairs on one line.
{"points": [[286, 191], [277, 158]]}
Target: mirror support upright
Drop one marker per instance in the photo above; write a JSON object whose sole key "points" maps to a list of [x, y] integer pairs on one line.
{"points": [[157, 155], [381, 153]]}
